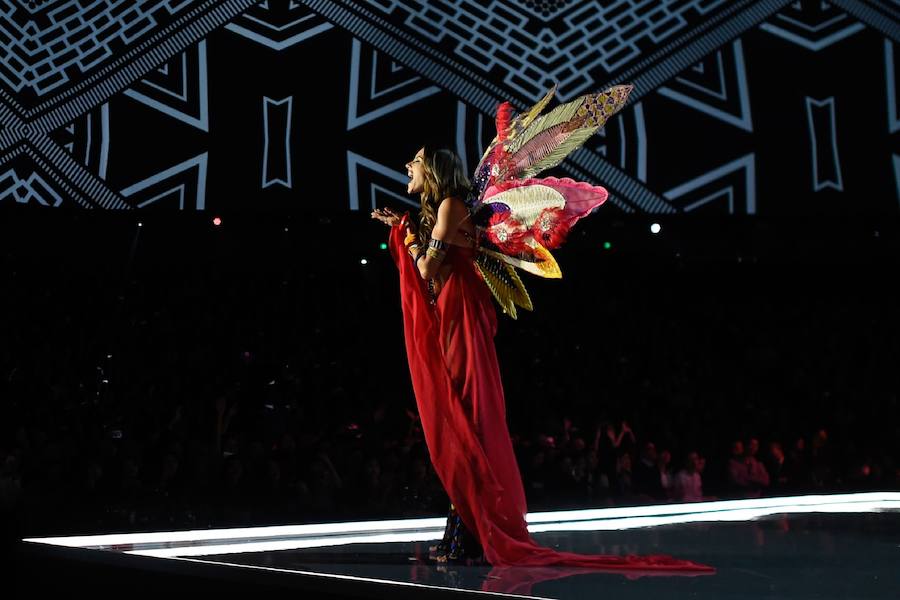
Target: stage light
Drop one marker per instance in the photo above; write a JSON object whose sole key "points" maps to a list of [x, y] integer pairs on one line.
{"points": [[217, 221], [655, 228], [363, 261], [383, 246], [607, 245], [285, 229], [179, 544], [140, 224]]}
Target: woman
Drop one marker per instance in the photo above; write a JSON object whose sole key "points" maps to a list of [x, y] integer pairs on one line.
{"points": [[444, 291], [449, 327]]}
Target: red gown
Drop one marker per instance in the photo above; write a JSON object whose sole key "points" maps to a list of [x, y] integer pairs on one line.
{"points": [[456, 380]]}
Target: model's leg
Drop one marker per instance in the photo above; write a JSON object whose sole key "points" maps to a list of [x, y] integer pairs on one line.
{"points": [[442, 547], [458, 544]]}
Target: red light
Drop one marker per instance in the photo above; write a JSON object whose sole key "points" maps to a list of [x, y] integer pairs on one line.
{"points": [[217, 221]]}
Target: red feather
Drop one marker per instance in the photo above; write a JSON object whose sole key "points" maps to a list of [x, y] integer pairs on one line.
{"points": [[551, 227], [500, 159], [506, 233], [504, 115]]}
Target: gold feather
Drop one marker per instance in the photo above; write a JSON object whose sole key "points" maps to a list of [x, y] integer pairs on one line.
{"points": [[524, 119], [544, 266], [504, 283]]}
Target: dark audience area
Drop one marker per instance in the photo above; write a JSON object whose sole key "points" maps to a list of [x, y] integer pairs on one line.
{"points": [[180, 375]]}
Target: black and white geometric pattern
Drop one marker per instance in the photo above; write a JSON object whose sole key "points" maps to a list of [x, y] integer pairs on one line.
{"points": [[739, 107], [278, 25], [62, 60], [813, 25]]}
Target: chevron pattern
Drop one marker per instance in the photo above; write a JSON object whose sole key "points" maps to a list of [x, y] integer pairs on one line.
{"points": [[123, 105]]}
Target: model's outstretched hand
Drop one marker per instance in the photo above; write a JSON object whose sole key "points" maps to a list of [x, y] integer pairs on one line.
{"points": [[386, 216]]}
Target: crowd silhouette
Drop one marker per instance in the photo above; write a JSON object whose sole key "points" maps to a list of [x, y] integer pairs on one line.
{"points": [[200, 380]]}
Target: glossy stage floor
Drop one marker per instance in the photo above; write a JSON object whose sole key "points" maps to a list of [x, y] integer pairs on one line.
{"points": [[833, 546]]}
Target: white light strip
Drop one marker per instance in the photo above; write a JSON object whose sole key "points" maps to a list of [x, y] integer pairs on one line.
{"points": [[417, 527], [318, 529], [743, 514], [694, 507], [294, 544]]}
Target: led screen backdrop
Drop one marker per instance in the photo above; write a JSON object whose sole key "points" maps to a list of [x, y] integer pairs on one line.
{"points": [[740, 107]]}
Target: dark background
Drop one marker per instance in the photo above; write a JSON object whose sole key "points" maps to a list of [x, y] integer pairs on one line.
{"points": [[122, 344]]}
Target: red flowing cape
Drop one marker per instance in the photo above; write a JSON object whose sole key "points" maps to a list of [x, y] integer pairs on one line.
{"points": [[456, 380]]}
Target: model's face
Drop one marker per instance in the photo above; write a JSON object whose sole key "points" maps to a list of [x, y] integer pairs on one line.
{"points": [[415, 169]]}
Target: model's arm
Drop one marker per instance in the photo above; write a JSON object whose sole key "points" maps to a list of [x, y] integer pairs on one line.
{"points": [[451, 213], [390, 218]]}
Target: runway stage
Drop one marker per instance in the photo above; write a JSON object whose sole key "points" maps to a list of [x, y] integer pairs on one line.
{"points": [[830, 546]]}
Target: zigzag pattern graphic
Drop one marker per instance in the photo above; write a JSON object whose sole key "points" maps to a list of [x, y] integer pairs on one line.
{"points": [[69, 68]]}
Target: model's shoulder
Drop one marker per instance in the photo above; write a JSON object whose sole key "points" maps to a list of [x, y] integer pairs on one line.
{"points": [[453, 204]]}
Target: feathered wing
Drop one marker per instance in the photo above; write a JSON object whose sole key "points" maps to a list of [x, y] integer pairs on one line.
{"points": [[507, 129], [504, 282], [530, 143], [521, 218], [549, 139]]}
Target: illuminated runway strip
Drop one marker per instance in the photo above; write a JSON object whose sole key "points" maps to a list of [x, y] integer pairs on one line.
{"points": [[718, 505], [621, 523], [289, 537], [291, 544], [742, 514], [200, 535]]}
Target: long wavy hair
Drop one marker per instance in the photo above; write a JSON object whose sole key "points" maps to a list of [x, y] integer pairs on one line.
{"points": [[444, 178]]}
